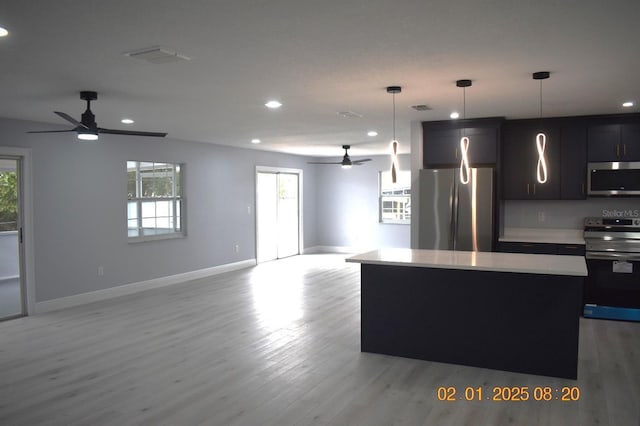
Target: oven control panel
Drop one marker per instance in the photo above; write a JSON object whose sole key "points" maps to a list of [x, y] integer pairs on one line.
{"points": [[599, 221]]}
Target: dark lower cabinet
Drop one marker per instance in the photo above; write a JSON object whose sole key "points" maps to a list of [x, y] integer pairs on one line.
{"points": [[541, 248]]}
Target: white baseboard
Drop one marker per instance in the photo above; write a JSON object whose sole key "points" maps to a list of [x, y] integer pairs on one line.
{"points": [[330, 249], [123, 290]]}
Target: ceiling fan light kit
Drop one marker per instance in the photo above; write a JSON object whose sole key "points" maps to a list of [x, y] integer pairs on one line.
{"points": [[87, 129]]}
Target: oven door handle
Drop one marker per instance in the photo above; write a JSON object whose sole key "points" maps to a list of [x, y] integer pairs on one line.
{"points": [[612, 256]]}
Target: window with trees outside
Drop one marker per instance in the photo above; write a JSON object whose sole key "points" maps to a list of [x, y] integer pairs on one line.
{"points": [[395, 198], [155, 203]]}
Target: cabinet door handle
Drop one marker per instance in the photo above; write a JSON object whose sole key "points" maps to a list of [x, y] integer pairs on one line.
{"points": [[534, 189], [624, 149], [582, 189], [570, 247], [618, 150], [456, 153], [528, 189], [527, 245]]}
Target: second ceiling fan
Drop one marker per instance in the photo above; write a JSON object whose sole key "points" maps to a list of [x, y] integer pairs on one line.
{"points": [[346, 162]]}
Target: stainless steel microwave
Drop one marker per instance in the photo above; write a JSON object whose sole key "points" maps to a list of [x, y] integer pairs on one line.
{"points": [[613, 178]]}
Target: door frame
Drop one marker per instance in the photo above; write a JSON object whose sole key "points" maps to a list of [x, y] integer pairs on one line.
{"points": [[25, 197], [276, 170]]}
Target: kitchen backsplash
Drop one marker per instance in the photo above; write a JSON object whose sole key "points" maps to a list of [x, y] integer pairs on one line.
{"points": [[559, 214]]}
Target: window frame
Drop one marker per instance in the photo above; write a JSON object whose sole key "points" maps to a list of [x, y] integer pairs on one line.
{"points": [[382, 198], [177, 203]]}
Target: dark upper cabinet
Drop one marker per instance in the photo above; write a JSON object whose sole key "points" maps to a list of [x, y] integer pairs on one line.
{"points": [[573, 160], [604, 142], [614, 139], [630, 138], [520, 157], [441, 142], [440, 145]]}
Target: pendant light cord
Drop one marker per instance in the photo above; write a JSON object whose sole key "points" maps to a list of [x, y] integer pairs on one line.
{"points": [[541, 99], [464, 103], [394, 116]]}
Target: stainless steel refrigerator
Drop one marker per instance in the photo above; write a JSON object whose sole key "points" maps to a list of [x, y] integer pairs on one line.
{"points": [[455, 215]]}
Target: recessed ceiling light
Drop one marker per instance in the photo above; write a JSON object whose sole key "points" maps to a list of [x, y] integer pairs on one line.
{"points": [[255, 141], [273, 104], [372, 133], [628, 104], [454, 115], [3, 32], [127, 121]]}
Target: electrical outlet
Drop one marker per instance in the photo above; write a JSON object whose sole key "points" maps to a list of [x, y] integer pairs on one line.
{"points": [[237, 248], [100, 271], [248, 209], [541, 217]]}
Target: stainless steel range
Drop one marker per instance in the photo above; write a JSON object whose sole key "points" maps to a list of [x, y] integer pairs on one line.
{"points": [[612, 289]]}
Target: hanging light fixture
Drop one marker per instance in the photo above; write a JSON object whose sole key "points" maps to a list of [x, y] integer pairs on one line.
{"points": [[541, 138], [464, 140], [395, 167]]}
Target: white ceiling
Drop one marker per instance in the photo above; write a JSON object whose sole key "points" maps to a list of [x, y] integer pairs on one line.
{"points": [[317, 58]]}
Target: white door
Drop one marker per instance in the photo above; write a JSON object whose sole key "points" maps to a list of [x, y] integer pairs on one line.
{"points": [[278, 215], [12, 302]]}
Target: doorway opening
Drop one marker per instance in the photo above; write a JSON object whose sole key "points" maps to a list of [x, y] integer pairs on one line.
{"points": [[278, 213], [12, 288]]}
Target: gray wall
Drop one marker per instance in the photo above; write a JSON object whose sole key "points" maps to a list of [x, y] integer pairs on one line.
{"points": [[347, 203], [79, 207], [79, 199]]}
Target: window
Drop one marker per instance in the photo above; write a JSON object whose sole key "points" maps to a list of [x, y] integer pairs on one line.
{"points": [[155, 206], [395, 199]]}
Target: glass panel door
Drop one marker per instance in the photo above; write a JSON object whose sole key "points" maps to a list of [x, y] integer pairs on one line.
{"points": [[278, 215], [11, 294], [288, 220], [267, 211]]}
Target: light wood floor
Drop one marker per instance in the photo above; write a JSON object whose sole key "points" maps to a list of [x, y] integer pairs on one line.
{"points": [[277, 344]]}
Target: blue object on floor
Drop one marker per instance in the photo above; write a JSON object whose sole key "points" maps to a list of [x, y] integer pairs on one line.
{"points": [[611, 312]]}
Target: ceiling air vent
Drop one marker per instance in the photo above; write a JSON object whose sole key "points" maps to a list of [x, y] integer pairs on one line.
{"points": [[349, 114], [421, 107], [157, 55]]}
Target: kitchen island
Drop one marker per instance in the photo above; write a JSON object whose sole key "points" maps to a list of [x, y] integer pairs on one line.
{"points": [[505, 311]]}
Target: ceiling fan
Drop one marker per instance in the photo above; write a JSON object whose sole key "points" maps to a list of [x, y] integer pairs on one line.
{"points": [[346, 160], [87, 129]]}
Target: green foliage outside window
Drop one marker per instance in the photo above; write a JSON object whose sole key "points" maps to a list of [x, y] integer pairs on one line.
{"points": [[8, 201]]}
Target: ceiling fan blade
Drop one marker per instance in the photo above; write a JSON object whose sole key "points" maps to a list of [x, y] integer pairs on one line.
{"points": [[51, 131], [318, 162], [70, 119], [359, 162], [131, 133]]}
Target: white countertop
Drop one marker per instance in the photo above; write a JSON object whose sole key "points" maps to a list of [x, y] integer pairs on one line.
{"points": [[542, 235], [480, 261]]}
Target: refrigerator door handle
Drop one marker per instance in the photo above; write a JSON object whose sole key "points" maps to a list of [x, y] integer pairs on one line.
{"points": [[454, 213]]}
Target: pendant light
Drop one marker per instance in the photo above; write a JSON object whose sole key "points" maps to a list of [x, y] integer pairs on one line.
{"points": [[464, 140], [394, 143], [541, 138]]}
